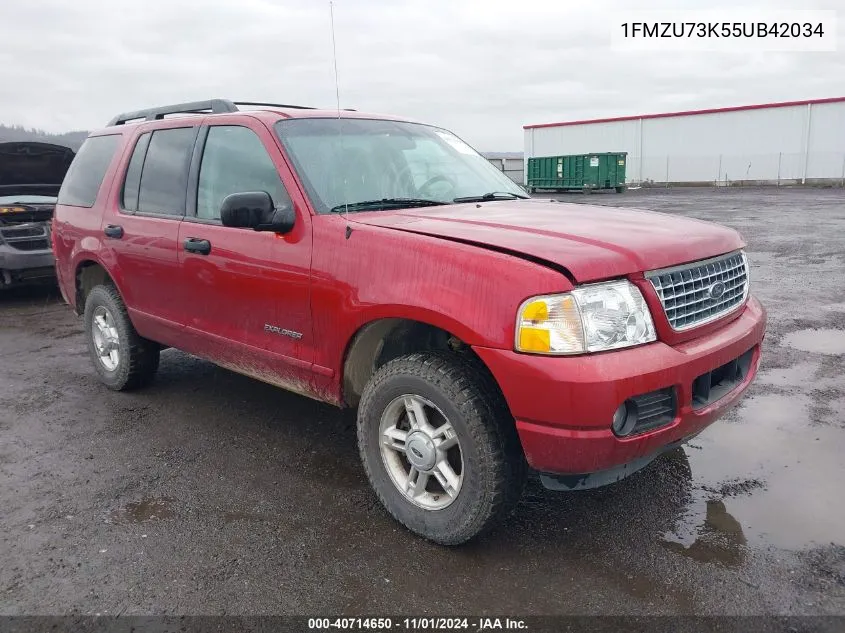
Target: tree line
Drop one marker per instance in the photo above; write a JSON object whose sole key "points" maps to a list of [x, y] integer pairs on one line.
{"points": [[16, 133]]}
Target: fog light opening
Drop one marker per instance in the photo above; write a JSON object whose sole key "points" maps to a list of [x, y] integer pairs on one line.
{"points": [[624, 419]]}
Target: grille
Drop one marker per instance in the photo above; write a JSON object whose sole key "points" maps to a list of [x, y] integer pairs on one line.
{"points": [[27, 237], [30, 245], [24, 231], [714, 385], [687, 292]]}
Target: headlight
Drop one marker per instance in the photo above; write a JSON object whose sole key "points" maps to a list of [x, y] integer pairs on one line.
{"points": [[591, 318]]}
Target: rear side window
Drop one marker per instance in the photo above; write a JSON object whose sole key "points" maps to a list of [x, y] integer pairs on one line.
{"points": [[164, 177], [83, 180], [132, 184]]}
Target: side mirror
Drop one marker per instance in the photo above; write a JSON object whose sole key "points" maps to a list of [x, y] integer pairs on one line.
{"points": [[282, 220], [255, 210]]}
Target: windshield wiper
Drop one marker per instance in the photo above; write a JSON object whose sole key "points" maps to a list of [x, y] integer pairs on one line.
{"points": [[493, 195], [386, 203]]}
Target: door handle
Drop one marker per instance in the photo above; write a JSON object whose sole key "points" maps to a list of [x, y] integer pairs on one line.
{"points": [[198, 246], [113, 230]]}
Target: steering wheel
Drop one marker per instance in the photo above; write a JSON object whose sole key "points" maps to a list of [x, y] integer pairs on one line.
{"points": [[405, 175], [436, 179]]}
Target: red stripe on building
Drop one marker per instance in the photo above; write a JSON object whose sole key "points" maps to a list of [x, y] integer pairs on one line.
{"points": [[759, 106]]}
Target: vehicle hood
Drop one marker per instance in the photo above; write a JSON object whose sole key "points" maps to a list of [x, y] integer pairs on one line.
{"points": [[33, 168], [591, 242]]}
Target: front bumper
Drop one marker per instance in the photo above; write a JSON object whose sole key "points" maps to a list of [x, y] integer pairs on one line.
{"points": [[19, 267], [564, 406]]}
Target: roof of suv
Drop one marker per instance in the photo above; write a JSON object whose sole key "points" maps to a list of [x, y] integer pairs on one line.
{"points": [[266, 111]]}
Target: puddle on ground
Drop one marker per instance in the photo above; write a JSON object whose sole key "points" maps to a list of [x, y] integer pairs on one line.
{"points": [[799, 374], [817, 341], [145, 510], [763, 475], [719, 538], [824, 386]]}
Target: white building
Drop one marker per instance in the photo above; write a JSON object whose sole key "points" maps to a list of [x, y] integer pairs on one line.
{"points": [[791, 142], [511, 163]]}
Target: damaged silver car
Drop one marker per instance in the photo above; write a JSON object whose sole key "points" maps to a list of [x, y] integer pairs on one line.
{"points": [[30, 176]]}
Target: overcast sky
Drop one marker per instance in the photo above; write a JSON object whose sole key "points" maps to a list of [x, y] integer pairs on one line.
{"points": [[482, 68]]}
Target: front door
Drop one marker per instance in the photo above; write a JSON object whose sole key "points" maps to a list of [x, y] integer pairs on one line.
{"points": [[245, 293]]}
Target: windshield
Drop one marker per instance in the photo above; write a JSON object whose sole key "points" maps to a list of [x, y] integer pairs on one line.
{"points": [[401, 164], [27, 199]]}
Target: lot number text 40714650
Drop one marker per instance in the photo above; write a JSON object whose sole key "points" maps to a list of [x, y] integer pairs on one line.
{"points": [[376, 625]]}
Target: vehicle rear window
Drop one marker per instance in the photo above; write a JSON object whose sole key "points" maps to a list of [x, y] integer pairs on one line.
{"points": [[133, 174], [164, 180], [83, 180]]}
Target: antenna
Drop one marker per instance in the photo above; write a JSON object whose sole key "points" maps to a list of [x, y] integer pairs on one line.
{"points": [[334, 56], [339, 122]]}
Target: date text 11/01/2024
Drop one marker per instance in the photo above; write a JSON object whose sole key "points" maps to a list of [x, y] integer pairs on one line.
{"points": [[417, 624]]}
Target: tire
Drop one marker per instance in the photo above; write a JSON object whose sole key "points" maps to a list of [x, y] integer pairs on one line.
{"points": [[620, 189], [491, 462], [134, 360]]}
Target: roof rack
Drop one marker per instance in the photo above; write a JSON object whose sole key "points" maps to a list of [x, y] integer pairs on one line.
{"points": [[214, 106], [273, 105]]}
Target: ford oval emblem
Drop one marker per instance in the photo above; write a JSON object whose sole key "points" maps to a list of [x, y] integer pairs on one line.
{"points": [[716, 290]]}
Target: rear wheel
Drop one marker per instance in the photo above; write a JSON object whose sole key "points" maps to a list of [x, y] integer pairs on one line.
{"points": [[620, 189], [122, 358], [439, 446]]}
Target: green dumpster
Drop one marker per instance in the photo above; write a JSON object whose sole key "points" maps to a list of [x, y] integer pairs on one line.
{"points": [[578, 172]]}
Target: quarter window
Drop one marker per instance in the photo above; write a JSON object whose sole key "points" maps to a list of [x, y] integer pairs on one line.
{"points": [[235, 161], [83, 180]]}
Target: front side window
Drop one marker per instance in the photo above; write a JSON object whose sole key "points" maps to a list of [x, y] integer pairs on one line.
{"points": [[350, 161], [85, 176], [235, 161], [164, 178]]}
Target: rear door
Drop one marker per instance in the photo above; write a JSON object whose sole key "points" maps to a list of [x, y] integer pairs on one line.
{"points": [[142, 232], [245, 294]]}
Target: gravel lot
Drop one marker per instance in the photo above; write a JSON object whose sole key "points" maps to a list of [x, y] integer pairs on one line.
{"points": [[211, 493]]}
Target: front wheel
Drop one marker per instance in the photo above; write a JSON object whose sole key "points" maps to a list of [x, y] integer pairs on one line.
{"points": [[439, 446]]}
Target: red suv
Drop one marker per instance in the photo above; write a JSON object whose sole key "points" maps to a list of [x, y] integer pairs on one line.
{"points": [[373, 262]]}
